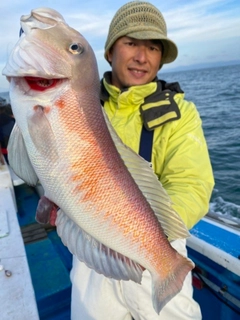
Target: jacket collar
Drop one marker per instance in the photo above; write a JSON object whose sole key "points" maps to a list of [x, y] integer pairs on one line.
{"points": [[133, 95]]}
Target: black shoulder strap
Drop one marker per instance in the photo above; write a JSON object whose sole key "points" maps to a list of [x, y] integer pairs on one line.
{"points": [[160, 107], [146, 143], [146, 139]]}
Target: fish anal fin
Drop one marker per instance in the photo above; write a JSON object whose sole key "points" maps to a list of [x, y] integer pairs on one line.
{"points": [[95, 254]]}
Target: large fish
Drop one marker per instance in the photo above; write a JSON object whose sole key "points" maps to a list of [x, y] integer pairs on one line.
{"points": [[115, 215]]}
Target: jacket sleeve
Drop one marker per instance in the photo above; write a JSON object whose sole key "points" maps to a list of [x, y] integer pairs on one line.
{"points": [[187, 173]]}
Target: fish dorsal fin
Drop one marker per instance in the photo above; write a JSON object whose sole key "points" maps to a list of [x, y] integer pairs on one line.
{"points": [[94, 254], [18, 157], [151, 187]]}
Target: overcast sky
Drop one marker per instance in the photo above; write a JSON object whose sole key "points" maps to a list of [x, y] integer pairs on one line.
{"points": [[205, 31]]}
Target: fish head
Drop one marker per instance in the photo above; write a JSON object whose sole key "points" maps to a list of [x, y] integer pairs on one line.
{"points": [[49, 49], [52, 71]]}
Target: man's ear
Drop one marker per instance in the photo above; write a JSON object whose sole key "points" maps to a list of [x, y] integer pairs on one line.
{"points": [[109, 55]]}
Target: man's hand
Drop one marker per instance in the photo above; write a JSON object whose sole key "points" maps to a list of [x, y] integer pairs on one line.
{"points": [[46, 211]]}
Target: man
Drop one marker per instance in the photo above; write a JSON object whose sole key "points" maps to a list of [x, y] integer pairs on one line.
{"points": [[153, 119]]}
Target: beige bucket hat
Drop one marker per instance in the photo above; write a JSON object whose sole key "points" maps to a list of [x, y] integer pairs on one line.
{"points": [[141, 20]]}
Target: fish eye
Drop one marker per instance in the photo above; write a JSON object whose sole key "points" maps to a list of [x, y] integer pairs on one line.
{"points": [[76, 48]]}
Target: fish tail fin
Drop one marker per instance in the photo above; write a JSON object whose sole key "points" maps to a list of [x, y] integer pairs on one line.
{"points": [[165, 289]]}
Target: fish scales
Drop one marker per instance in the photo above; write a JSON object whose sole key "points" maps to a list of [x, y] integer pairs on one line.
{"points": [[112, 206]]}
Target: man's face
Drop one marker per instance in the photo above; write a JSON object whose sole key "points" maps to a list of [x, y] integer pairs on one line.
{"points": [[134, 62]]}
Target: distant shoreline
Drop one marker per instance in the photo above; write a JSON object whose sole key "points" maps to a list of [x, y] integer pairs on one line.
{"points": [[201, 66]]}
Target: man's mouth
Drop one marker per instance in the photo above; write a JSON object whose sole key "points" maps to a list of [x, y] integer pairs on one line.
{"points": [[137, 71]]}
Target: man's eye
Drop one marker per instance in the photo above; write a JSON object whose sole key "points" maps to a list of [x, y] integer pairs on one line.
{"points": [[154, 48], [130, 44]]}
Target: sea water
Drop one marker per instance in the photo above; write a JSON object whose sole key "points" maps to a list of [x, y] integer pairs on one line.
{"points": [[216, 93]]}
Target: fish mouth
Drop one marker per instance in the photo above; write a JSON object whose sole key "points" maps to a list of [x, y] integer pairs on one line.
{"points": [[41, 84]]}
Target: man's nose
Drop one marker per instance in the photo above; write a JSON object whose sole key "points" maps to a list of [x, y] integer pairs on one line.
{"points": [[140, 54]]}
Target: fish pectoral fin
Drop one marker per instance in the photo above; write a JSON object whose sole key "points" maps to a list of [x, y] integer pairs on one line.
{"points": [[40, 130], [152, 189], [94, 254], [18, 157]]}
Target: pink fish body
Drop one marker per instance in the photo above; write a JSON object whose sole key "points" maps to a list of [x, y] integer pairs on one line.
{"points": [[114, 214]]}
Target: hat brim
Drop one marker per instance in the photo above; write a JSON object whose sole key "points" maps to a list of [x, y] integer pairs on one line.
{"points": [[170, 50]]}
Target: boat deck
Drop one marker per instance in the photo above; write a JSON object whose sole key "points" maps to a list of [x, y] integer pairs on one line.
{"points": [[49, 260], [34, 264], [17, 295]]}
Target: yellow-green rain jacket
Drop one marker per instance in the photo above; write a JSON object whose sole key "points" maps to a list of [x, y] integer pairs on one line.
{"points": [[180, 156]]}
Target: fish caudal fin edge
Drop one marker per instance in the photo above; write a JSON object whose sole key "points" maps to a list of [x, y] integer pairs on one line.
{"points": [[163, 290]]}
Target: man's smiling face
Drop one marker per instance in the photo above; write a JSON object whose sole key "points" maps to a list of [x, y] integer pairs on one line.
{"points": [[134, 62]]}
